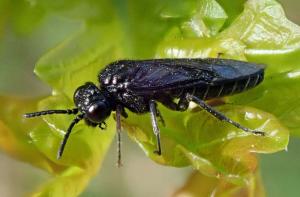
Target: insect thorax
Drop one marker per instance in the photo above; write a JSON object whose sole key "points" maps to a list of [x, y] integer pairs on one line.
{"points": [[115, 79]]}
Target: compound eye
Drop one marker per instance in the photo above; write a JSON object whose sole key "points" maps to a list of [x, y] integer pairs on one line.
{"points": [[97, 112]]}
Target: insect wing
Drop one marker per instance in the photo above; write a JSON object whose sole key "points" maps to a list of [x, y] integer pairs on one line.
{"points": [[169, 73], [162, 74]]}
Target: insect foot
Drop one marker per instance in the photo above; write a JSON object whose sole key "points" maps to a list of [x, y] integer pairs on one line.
{"points": [[259, 133], [157, 152]]}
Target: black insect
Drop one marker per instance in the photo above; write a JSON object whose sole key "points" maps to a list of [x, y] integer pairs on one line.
{"points": [[138, 84]]}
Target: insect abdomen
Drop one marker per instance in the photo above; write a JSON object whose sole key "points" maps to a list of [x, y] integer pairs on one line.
{"points": [[226, 87]]}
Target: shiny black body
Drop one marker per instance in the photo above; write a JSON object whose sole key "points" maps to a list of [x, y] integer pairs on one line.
{"points": [[135, 83], [138, 84]]}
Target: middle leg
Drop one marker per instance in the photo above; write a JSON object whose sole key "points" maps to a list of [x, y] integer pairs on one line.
{"points": [[118, 128], [153, 114]]}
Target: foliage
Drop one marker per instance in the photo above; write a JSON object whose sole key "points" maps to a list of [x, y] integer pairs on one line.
{"points": [[254, 30]]}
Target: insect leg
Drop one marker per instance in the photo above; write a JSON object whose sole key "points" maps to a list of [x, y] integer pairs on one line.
{"points": [[123, 113], [161, 119], [119, 111], [48, 112], [219, 55], [153, 113], [66, 137], [219, 115], [183, 104], [102, 125], [168, 102]]}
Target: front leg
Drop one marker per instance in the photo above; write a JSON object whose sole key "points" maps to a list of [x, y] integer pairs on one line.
{"points": [[119, 111], [153, 114]]}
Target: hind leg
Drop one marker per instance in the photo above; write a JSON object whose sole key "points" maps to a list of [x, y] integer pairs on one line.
{"points": [[219, 115]]}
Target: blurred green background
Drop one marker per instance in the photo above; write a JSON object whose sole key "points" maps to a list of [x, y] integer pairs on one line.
{"points": [[20, 48]]}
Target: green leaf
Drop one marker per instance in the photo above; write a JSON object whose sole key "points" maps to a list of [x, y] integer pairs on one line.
{"points": [[212, 147], [279, 95], [261, 33], [14, 132], [275, 41], [83, 154], [253, 30], [232, 9], [211, 186], [69, 183], [85, 142], [241, 40], [23, 16], [78, 59]]}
